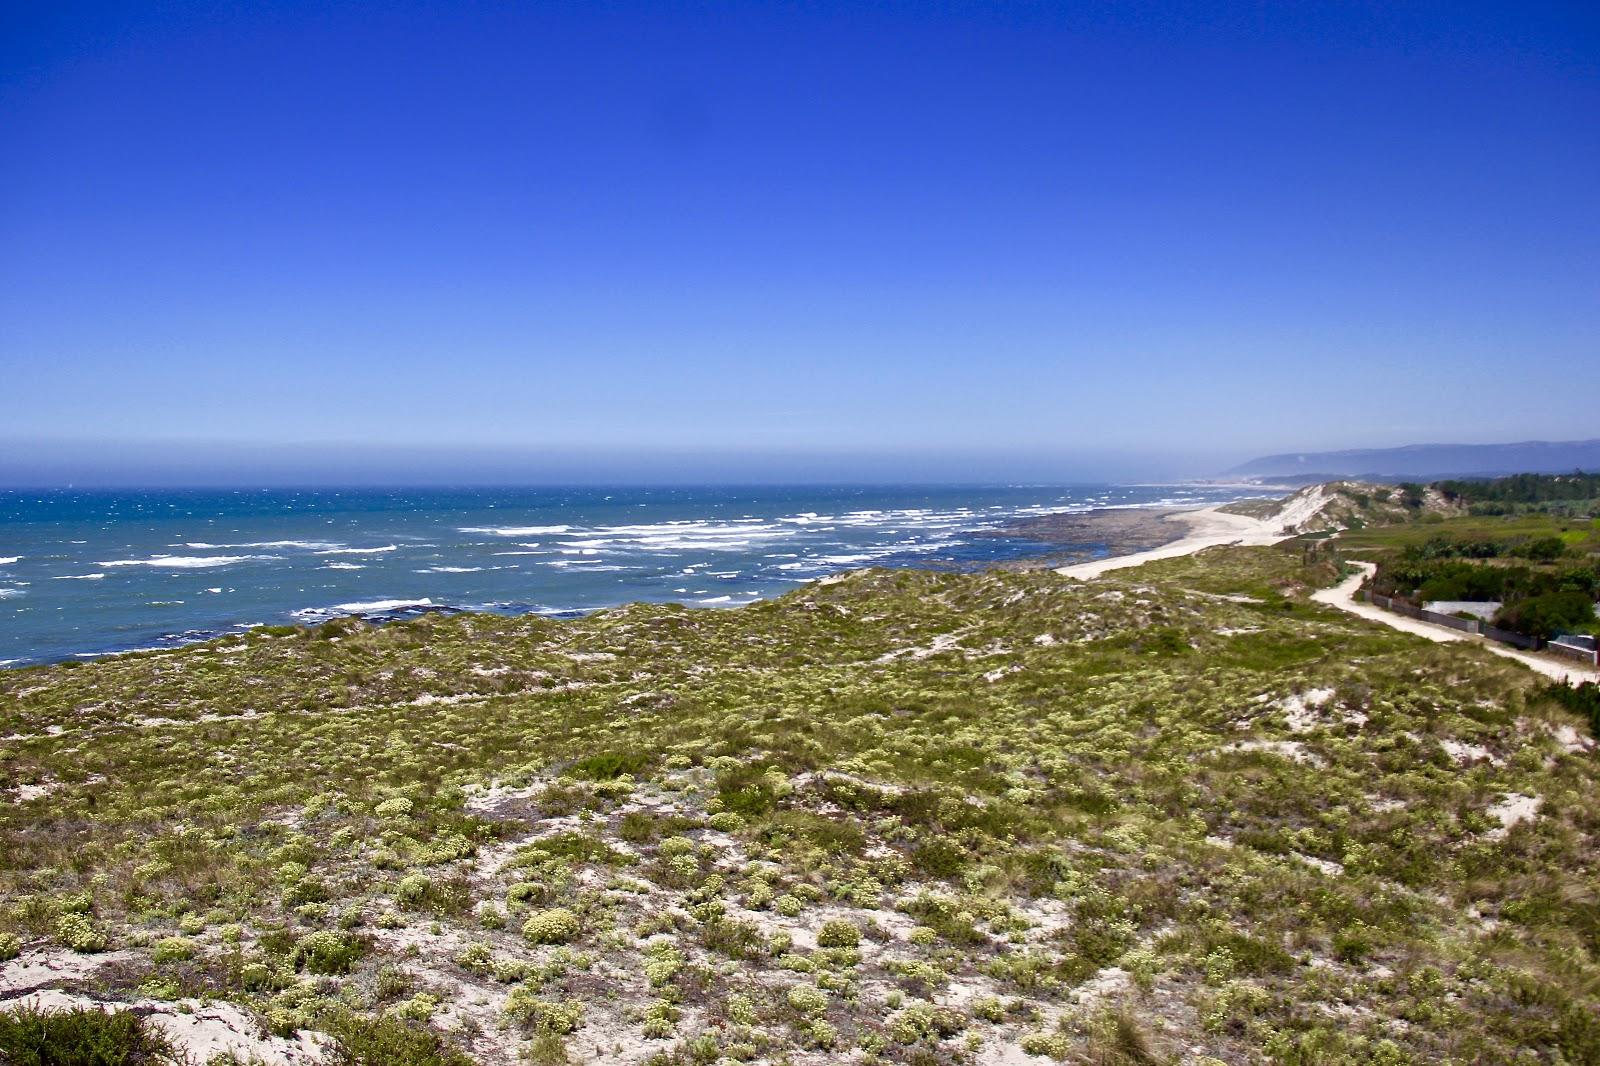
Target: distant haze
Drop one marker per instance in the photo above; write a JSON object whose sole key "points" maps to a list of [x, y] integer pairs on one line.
{"points": [[164, 464]]}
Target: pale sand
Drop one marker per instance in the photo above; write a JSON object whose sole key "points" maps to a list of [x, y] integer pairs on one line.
{"points": [[1208, 528]]}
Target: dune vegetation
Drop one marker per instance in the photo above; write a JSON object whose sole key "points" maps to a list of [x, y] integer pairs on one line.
{"points": [[1179, 813]]}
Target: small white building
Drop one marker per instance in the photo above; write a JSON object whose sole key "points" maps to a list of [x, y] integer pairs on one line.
{"points": [[1484, 609]]}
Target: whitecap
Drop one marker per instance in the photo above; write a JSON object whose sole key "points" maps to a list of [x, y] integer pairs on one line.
{"points": [[185, 562], [358, 551], [9, 559], [11, 594], [309, 545], [341, 566], [382, 605], [322, 614], [514, 531], [458, 569], [78, 577]]}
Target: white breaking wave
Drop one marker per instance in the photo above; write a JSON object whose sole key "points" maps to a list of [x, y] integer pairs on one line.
{"points": [[9, 559], [514, 531], [11, 594], [321, 614], [341, 566], [185, 562], [78, 577], [358, 551], [309, 545], [460, 569], [382, 605]]}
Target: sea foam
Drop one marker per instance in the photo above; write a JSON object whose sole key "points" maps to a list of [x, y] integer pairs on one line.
{"points": [[185, 562], [514, 531]]}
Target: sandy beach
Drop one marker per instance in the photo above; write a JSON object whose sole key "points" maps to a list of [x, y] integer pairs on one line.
{"points": [[1206, 527]]}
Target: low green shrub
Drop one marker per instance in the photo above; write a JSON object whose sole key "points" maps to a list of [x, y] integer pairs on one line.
{"points": [[31, 1036], [556, 926]]}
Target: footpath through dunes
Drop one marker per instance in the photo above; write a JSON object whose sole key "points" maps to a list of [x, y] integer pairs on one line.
{"points": [[904, 817]]}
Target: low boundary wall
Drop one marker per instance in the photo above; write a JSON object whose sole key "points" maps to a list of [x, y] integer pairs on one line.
{"points": [[1478, 627]]}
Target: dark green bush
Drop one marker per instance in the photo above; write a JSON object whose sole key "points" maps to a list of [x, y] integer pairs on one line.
{"points": [[609, 765], [1549, 614], [1581, 699], [388, 1041], [80, 1037]]}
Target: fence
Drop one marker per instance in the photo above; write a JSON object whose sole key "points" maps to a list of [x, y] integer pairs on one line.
{"points": [[1472, 625], [1569, 651], [1506, 636], [1465, 625]]}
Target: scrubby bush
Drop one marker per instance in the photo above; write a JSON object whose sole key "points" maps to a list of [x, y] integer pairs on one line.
{"points": [[325, 952], [1053, 1045], [989, 1008], [31, 1036], [742, 1009], [924, 1021], [807, 999], [662, 962], [476, 957], [555, 926], [172, 949], [398, 807], [537, 1015], [387, 1039], [77, 932], [838, 933], [412, 888]]}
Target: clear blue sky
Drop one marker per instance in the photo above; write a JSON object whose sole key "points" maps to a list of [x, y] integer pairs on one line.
{"points": [[1190, 230]]}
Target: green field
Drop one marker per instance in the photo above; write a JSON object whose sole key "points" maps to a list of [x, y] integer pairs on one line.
{"points": [[1582, 534]]}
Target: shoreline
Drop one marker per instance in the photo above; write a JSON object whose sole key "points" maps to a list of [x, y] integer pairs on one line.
{"points": [[1066, 541], [1207, 527], [1072, 537]]}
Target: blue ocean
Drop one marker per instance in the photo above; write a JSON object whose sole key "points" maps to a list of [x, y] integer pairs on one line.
{"points": [[89, 573]]}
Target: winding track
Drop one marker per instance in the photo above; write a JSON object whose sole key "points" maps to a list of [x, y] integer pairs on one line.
{"points": [[1210, 527], [1343, 596]]}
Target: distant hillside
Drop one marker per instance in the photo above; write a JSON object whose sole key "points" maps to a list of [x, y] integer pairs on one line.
{"points": [[1338, 505], [1429, 461]]}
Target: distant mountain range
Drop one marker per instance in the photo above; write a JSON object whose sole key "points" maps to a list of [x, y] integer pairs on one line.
{"points": [[1429, 461]]}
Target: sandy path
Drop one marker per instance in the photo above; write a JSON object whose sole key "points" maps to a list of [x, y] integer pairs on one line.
{"points": [[1208, 528], [1343, 596]]}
